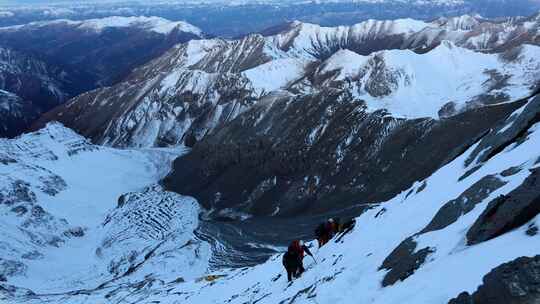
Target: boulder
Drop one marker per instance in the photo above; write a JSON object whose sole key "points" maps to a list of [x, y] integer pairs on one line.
{"points": [[465, 203], [508, 211], [404, 261], [516, 282]]}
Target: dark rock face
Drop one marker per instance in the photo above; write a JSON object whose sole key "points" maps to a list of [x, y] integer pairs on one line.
{"points": [[190, 140], [404, 261], [31, 85], [16, 114], [451, 211], [462, 298], [321, 151], [74, 232], [508, 211], [516, 282], [18, 191]]}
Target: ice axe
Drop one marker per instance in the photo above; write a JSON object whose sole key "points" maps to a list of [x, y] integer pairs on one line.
{"points": [[313, 259]]}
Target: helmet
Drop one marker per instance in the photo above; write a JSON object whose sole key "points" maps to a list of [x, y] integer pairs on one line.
{"points": [[301, 243], [330, 220]]}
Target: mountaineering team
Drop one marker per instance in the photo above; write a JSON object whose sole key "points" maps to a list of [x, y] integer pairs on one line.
{"points": [[293, 258]]}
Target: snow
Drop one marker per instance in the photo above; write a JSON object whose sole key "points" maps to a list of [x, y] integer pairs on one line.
{"points": [[347, 62], [152, 24], [530, 25], [460, 23], [307, 38], [510, 120], [95, 177], [276, 74], [423, 83], [345, 272]]}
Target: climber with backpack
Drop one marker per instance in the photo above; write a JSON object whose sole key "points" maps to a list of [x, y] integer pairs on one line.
{"points": [[293, 259], [325, 231]]}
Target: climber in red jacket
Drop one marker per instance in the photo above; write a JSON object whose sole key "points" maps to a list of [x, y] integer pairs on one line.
{"points": [[292, 259]]}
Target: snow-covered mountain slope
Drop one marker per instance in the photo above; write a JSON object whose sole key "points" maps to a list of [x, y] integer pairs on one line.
{"points": [[197, 87], [440, 82], [190, 90], [92, 214], [472, 224], [291, 155], [46, 63], [473, 32]]}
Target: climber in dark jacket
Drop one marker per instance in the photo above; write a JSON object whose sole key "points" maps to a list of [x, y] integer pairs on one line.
{"points": [[326, 231], [292, 259]]}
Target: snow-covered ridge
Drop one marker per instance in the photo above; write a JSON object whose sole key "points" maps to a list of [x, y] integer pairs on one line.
{"points": [[473, 32], [153, 24], [306, 39], [419, 85]]}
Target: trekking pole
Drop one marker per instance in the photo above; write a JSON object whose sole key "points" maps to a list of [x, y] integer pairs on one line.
{"points": [[314, 259]]}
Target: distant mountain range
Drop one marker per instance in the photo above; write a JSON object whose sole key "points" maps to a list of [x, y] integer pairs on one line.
{"points": [[236, 18]]}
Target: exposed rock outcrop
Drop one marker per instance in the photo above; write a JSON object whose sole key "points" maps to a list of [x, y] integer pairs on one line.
{"points": [[515, 282], [465, 203], [404, 261], [508, 211]]}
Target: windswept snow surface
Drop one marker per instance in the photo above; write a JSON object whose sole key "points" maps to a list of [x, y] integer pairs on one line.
{"points": [[75, 215]]}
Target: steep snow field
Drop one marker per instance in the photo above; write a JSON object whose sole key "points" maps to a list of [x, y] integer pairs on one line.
{"points": [[75, 215]]}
